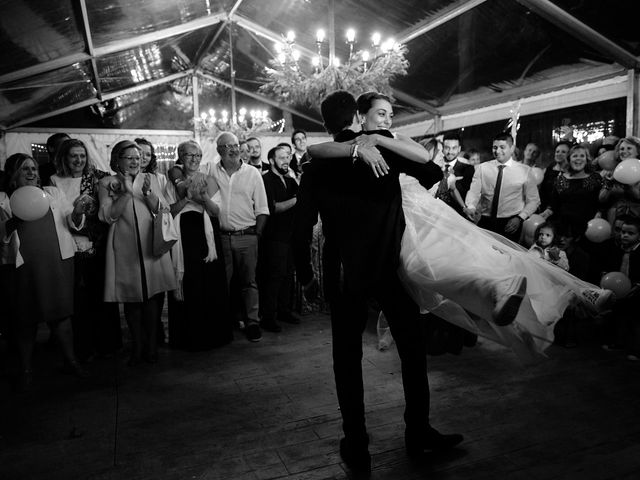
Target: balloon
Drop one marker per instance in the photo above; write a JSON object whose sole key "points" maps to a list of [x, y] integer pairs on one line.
{"points": [[617, 282], [529, 228], [29, 203], [537, 174], [628, 171], [598, 230], [607, 160]]}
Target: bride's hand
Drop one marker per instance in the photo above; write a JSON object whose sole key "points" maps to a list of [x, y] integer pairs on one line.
{"points": [[451, 181], [371, 156]]}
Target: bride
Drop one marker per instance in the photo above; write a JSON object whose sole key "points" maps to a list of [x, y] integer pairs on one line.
{"points": [[457, 270]]}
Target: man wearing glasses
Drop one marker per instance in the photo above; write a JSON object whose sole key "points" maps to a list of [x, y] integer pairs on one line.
{"points": [[243, 215]]}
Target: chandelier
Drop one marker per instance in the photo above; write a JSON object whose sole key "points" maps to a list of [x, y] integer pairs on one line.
{"points": [[299, 83], [243, 124]]}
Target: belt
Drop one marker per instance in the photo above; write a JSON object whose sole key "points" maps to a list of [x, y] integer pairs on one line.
{"points": [[244, 231]]}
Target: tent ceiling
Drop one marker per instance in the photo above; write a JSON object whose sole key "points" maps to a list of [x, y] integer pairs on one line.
{"points": [[117, 54]]}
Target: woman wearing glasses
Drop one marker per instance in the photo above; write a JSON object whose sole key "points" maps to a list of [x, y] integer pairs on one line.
{"points": [[133, 275], [199, 308]]}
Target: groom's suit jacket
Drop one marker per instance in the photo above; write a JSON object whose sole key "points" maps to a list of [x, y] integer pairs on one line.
{"points": [[362, 216]]}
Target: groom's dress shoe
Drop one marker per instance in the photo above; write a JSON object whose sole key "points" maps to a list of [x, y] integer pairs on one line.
{"points": [[416, 444], [356, 456], [508, 296]]}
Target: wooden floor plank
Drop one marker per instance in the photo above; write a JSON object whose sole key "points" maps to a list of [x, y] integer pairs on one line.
{"points": [[269, 411]]}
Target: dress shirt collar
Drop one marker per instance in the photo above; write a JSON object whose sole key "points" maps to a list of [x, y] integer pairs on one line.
{"points": [[451, 164]]}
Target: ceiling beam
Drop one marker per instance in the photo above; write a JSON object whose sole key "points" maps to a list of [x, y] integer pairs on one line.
{"points": [[53, 113], [415, 102], [107, 96], [440, 18], [89, 42], [138, 40], [262, 98], [473, 101], [581, 31], [147, 85], [44, 67]]}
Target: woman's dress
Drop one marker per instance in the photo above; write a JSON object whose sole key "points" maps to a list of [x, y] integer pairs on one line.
{"points": [[199, 309], [575, 200], [43, 285], [450, 267]]}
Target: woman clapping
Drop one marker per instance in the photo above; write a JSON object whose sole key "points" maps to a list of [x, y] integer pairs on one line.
{"points": [[133, 275]]}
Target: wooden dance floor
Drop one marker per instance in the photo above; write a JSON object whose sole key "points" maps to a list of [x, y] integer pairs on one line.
{"points": [[268, 411]]}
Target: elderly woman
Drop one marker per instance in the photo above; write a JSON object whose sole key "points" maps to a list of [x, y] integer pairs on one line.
{"points": [[133, 275], [41, 282], [574, 198], [199, 316], [557, 167], [619, 199], [96, 325], [149, 164]]}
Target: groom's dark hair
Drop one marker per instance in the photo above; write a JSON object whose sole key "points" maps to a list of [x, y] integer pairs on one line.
{"points": [[338, 109]]}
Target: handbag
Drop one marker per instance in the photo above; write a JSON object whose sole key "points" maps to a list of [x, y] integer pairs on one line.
{"points": [[164, 233]]}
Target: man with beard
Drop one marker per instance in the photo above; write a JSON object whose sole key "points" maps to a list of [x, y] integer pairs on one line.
{"points": [[276, 254], [255, 155]]}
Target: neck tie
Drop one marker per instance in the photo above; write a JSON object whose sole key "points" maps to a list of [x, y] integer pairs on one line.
{"points": [[443, 187], [624, 265], [496, 193]]}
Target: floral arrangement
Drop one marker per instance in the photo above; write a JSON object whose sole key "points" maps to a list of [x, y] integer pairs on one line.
{"points": [[290, 83]]}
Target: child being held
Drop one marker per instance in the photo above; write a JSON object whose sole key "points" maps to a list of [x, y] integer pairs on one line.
{"points": [[545, 246]]}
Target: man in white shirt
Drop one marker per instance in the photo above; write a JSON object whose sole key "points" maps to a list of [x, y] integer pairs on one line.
{"points": [[243, 214], [503, 191]]}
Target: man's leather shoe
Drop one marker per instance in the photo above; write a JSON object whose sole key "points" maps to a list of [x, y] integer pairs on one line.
{"points": [[416, 445], [356, 457]]}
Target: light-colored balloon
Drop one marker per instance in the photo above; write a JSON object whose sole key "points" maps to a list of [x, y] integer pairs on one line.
{"points": [[29, 203], [598, 230], [538, 174], [617, 282], [628, 171]]}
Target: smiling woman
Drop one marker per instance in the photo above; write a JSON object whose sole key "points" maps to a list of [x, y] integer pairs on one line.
{"points": [[574, 198], [96, 325], [40, 282], [134, 276]]}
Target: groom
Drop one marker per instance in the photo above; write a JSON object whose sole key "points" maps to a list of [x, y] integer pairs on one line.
{"points": [[363, 223]]}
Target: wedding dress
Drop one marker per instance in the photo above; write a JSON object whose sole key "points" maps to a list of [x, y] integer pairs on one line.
{"points": [[450, 267]]}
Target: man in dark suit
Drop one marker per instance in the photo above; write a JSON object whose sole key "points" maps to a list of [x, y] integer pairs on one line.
{"points": [[452, 165], [363, 223]]}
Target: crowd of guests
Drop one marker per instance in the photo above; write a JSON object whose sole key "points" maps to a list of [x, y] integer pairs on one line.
{"points": [[507, 193], [231, 266]]}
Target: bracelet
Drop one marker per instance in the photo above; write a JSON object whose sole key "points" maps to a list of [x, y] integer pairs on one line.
{"points": [[354, 152]]}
